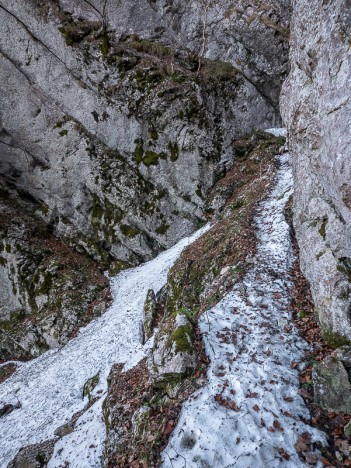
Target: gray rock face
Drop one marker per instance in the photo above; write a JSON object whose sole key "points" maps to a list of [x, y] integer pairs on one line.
{"points": [[116, 135], [173, 355], [251, 35], [332, 388], [48, 290], [316, 106], [34, 456]]}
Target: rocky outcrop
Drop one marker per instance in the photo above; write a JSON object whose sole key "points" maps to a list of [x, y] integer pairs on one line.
{"points": [[316, 107], [48, 291], [120, 116], [251, 35]]}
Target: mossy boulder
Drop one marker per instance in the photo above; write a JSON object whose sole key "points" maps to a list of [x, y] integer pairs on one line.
{"points": [[332, 388], [173, 355], [149, 312]]}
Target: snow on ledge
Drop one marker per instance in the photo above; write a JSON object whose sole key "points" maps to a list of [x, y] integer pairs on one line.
{"points": [[277, 132]]}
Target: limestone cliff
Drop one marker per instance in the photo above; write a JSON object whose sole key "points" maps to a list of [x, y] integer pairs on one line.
{"points": [[48, 290], [116, 120], [316, 106], [120, 132]]}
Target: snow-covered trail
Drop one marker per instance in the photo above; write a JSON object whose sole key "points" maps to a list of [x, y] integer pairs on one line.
{"points": [[248, 414], [50, 388]]}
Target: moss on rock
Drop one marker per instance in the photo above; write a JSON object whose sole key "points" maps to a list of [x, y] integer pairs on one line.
{"points": [[182, 337], [335, 340], [89, 386]]}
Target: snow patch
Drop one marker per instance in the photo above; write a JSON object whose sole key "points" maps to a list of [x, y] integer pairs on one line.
{"points": [[50, 388], [277, 132], [249, 413]]}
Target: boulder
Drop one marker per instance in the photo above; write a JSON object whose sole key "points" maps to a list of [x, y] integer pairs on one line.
{"points": [[149, 312], [173, 354], [34, 456], [332, 388]]}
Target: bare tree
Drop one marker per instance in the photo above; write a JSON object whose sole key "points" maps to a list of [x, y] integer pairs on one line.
{"points": [[211, 15], [103, 11], [205, 5]]}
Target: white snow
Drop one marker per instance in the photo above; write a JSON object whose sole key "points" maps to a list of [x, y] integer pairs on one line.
{"points": [[50, 387], [251, 349], [277, 132]]}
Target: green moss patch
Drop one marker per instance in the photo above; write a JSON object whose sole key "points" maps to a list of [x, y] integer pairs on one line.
{"points": [[129, 231], [322, 229], [162, 229], [90, 385], [139, 151], [174, 149], [151, 158], [104, 45], [335, 340], [345, 267]]}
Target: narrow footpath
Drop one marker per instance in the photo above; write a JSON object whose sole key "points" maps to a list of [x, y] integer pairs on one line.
{"points": [[250, 413]]}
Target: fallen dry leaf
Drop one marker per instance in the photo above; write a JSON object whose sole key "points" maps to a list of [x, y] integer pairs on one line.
{"points": [[276, 425], [251, 395], [303, 443]]}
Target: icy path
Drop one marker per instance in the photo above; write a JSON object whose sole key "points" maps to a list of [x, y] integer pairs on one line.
{"points": [[248, 414], [50, 388]]}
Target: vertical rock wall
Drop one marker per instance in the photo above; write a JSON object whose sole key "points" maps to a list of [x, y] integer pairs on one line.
{"points": [[108, 122], [316, 105]]}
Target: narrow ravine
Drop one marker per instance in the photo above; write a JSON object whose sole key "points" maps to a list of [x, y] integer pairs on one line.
{"points": [[250, 412], [48, 391]]}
